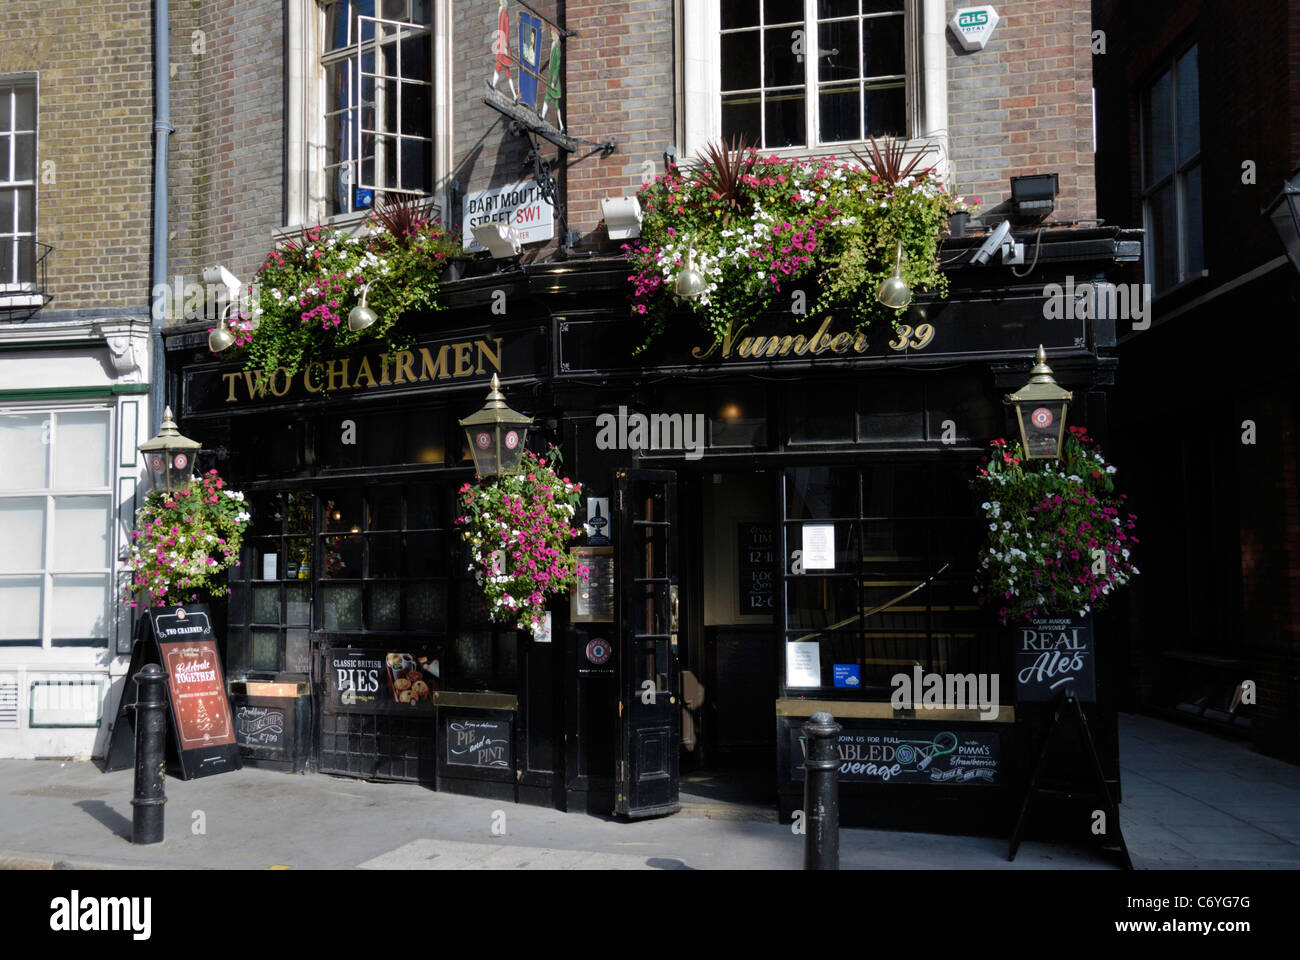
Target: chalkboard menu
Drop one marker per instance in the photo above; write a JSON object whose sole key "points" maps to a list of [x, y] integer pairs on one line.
{"points": [[593, 597], [263, 728], [1053, 655], [478, 742], [756, 545], [908, 755]]}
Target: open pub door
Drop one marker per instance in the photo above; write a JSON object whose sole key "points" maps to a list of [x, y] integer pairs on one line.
{"points": [[649, 716]]}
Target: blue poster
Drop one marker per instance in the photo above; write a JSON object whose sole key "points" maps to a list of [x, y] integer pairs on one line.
{"points": [[847, 675]]}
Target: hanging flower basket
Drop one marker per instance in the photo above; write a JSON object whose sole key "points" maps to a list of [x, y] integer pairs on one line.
{"points": [[1057, 541], [518, 530], [183, 543]]}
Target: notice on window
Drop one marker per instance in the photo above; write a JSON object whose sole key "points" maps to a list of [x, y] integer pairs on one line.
{"points": [[803, 664], [819, 546]]}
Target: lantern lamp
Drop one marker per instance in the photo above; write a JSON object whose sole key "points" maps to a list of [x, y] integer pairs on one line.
{"points": [[1041, 406], [496, 435], [1285, 214], [169, 457]]}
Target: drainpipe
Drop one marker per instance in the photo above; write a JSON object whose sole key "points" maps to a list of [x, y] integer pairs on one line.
{"points": [[162, 129]]}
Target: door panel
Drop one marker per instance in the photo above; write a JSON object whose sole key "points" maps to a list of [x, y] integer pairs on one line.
{"points": [[649, 714]]}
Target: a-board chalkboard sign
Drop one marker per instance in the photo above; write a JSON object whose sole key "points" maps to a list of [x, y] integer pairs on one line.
{"points": [[181, 640], [478, 742], [755, 544], [267, 729], [1053, 655], [894, 755]]}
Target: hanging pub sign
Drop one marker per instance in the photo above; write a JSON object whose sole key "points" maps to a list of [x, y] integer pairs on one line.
{"points": [[1054, 655], [755, 543]]}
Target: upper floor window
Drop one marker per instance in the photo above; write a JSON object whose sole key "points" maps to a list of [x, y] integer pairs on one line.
{"points": [[1171, 176], [17, 185], [810, 76], [800, 73], [377, 101]]}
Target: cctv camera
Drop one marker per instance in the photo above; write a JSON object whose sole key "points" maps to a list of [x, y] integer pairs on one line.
{"points": [[220, 276], [993, 244]]}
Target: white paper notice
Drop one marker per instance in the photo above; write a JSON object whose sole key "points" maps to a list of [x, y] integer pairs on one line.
{"points": [[542, 633], [269, 565], [803, 664], [819, 546]]}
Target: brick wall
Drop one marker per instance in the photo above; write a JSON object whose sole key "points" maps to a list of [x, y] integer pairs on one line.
{"points": [[95, 123], [1023, 105], [227, 155]]}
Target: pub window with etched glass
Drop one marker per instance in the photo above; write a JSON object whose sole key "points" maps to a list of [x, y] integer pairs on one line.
{"points": [[802, 73], [376, 65]]}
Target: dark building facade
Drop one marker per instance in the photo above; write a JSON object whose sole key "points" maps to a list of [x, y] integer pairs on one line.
{"points": [[1197, 134]]}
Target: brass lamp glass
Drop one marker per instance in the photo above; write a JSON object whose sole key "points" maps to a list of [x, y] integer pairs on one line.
{"points": [[690, 283], [496, 435], [361, 316], [894, 292], [1041, 406], [169, 457]]}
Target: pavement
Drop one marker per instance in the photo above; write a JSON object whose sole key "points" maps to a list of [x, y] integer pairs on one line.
{"points": [[1191, 801]]}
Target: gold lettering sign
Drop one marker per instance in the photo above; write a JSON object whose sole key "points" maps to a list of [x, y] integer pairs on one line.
{"points": [[735, 344], [454, 361]]}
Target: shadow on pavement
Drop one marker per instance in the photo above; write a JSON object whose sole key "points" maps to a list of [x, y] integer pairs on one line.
{"points": [[106, 815]]}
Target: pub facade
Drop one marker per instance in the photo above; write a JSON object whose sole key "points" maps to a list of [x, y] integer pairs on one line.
{"points": [[774, 522]]}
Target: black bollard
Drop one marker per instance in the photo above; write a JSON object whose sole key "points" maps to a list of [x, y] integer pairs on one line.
{"points": [[150, 756], [821, 794]]}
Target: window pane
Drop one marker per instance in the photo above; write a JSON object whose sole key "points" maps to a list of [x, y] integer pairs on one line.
{"points": [[838, 49], [4, 159], [836, 8], [7, 197], [785, 120], [1158, 132], [1194, 227], [385, 607], [297, 652], [415, 57], [341, 606], [81, 450], [840, 114], [885, 111], [780, 66], [1189, 107], [23, 523], [881, 6], [739, 13], [782, 11], [817, 602], [416, 166], [426, 606], [20, 609], [266, 604], [417, 120], [266, 650], [25, 108], [26, 211], [740, 63], [1163, 250], [883, 52], [892, 414], [24, 438], [80, 608], [817, 493], [6, 97], [385, 555], [25, 156], [81, 533], [297, 606], [740, 115]]}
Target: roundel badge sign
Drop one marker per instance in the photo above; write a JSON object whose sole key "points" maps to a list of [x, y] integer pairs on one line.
{"points": [[1041, 418], [512, 440], [180, 461], [156, 462], [599, 652], [483, 439]]}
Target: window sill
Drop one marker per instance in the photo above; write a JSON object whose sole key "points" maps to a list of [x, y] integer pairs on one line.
{"points": [[934, 147], [8, 301]]}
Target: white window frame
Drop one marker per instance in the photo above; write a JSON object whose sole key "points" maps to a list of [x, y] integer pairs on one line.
{"points": [[48, 570], [700, 83], [19, 293], [307, 202]]}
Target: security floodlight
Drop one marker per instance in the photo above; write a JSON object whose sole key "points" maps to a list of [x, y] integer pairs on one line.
{"points": [[501, 240], [221, 277], [622, 217]]}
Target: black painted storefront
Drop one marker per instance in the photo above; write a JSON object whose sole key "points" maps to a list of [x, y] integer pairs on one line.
{"points": [[352, 468]]}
